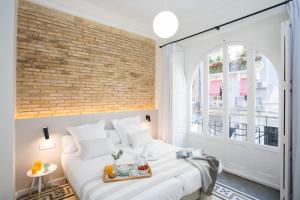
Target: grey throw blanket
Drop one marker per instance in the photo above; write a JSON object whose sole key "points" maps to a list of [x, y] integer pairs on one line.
{"points": [[209, 177]]}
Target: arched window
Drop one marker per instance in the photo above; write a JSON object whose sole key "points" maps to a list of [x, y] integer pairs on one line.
{"points": [[230, 82]]}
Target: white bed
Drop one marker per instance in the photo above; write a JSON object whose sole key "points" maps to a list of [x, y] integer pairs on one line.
{"points": [[172, 178]]}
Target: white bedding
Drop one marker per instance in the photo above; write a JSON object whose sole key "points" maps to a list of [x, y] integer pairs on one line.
{"points": [[86, 176]]}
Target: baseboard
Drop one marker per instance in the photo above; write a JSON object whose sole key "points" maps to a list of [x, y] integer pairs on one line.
{"points": [[235, 172], [35, 188]]}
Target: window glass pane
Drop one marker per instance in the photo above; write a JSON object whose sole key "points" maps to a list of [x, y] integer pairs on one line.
{"points": [[267, 102], [197, 101], [215, 83], [238, 93]]}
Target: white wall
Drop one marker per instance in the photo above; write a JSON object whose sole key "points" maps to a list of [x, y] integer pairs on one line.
{"points": [[7, 97]]}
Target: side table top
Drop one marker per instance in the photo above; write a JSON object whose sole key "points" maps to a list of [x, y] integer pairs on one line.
{"points": [[52, 168]]}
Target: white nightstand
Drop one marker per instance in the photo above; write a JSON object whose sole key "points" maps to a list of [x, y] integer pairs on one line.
{"points": [[41, 175]]}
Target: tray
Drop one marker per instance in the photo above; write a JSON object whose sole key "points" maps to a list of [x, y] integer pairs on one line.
{"points": [[106, 179]]}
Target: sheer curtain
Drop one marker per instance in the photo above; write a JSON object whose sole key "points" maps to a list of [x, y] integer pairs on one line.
{"points": [[294, 13], [165, 105]]}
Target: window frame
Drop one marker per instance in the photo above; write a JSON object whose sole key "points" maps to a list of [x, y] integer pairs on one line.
{"points": [[203, 61]]}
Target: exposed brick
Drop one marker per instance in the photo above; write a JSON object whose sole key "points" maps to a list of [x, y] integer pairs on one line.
{"points": [[67, 65]]}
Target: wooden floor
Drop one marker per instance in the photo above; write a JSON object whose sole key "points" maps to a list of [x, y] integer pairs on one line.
{"points": [[254, 189]]}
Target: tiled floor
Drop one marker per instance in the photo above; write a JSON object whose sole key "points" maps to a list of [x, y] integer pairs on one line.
{"points": [[249, 187], [62, 192]]}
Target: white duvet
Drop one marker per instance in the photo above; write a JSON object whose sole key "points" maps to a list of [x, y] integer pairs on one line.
{"points": [[172, 178]]}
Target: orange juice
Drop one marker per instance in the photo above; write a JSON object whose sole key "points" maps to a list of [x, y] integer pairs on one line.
{"points": [[34, 169], [38, 164]]}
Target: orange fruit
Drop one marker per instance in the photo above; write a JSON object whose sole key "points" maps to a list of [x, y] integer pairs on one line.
{"points": [[110, 171]]}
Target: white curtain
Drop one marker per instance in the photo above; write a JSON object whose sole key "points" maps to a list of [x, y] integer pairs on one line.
{"points": [[179, 99], [294, 13], [165, 103]]}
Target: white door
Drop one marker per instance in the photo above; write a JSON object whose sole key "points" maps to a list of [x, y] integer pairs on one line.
{"points": [[236, 117], [286, 187]]}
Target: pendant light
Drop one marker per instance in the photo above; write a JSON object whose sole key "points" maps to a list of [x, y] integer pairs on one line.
{"points": [[165, 24]]}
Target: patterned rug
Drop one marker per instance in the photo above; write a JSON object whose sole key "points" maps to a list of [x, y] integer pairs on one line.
{"points": [[224, 192], [64, 192]]}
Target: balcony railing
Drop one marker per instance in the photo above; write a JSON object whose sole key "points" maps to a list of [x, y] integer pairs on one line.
{"points": [[215, 127], [238, 130], [265, 134]]}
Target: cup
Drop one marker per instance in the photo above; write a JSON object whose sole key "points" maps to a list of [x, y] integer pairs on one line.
{"points": [[46, 166], [38, 164], [34, 170]]}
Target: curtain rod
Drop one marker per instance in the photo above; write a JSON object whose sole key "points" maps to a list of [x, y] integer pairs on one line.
{"points": [[230, 22]]}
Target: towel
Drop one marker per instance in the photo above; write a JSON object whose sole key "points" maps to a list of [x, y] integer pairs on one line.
{"points": [[209, 174], [149, 153]]}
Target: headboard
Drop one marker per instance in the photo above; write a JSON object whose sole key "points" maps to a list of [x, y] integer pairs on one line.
{"points": [[29, 135]]}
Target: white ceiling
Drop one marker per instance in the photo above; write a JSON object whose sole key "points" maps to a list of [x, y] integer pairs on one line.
{"points": [[137, 15]]}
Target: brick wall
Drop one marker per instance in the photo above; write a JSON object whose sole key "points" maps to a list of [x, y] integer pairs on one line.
{"points": [[67, 65]]}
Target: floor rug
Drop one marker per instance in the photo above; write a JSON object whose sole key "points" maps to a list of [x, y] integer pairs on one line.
{"points": [[224, 192], [64, 192]]}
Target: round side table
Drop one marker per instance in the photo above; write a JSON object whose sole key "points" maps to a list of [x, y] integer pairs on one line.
{"points": [[40, 175]]}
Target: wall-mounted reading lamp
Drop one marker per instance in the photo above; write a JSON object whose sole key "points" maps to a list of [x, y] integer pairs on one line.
{"points": [[47, 143], [148, 118], [46, 132]]}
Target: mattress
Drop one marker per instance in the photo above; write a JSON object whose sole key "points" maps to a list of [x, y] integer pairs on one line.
{"points": [[79, 173]]}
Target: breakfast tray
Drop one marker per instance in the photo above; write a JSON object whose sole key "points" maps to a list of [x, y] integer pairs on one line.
{"points": [[107, 179]]}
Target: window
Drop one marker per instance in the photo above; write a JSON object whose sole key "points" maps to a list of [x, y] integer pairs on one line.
{"points": [[267, 105], [237, 92], [215, 93], [228, 102]]}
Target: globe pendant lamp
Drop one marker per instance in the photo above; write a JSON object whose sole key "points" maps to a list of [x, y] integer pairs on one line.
{"points": [[165, 24]]}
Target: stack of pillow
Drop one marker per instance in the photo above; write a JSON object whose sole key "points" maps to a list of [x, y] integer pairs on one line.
{"points": [[131, 133], [92, 140]]}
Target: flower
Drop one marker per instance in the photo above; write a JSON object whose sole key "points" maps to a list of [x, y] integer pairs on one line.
{"points": [[117, 155]]}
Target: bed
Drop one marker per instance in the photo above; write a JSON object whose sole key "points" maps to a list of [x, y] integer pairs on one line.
{"points": [[173, 179], [85, 177]]}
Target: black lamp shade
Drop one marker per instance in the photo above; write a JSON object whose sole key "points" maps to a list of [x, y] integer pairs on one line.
{"points": [[148, 118], [46, 132]]}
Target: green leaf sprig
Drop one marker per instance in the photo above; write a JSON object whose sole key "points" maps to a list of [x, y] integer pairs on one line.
{"points": [[117, 155]]}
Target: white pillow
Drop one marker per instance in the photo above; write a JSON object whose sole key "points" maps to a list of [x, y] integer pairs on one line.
{"points": [[126, 126], [114, 136], [87, 132], [95, 148], [68, 144], [141, 138]]}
